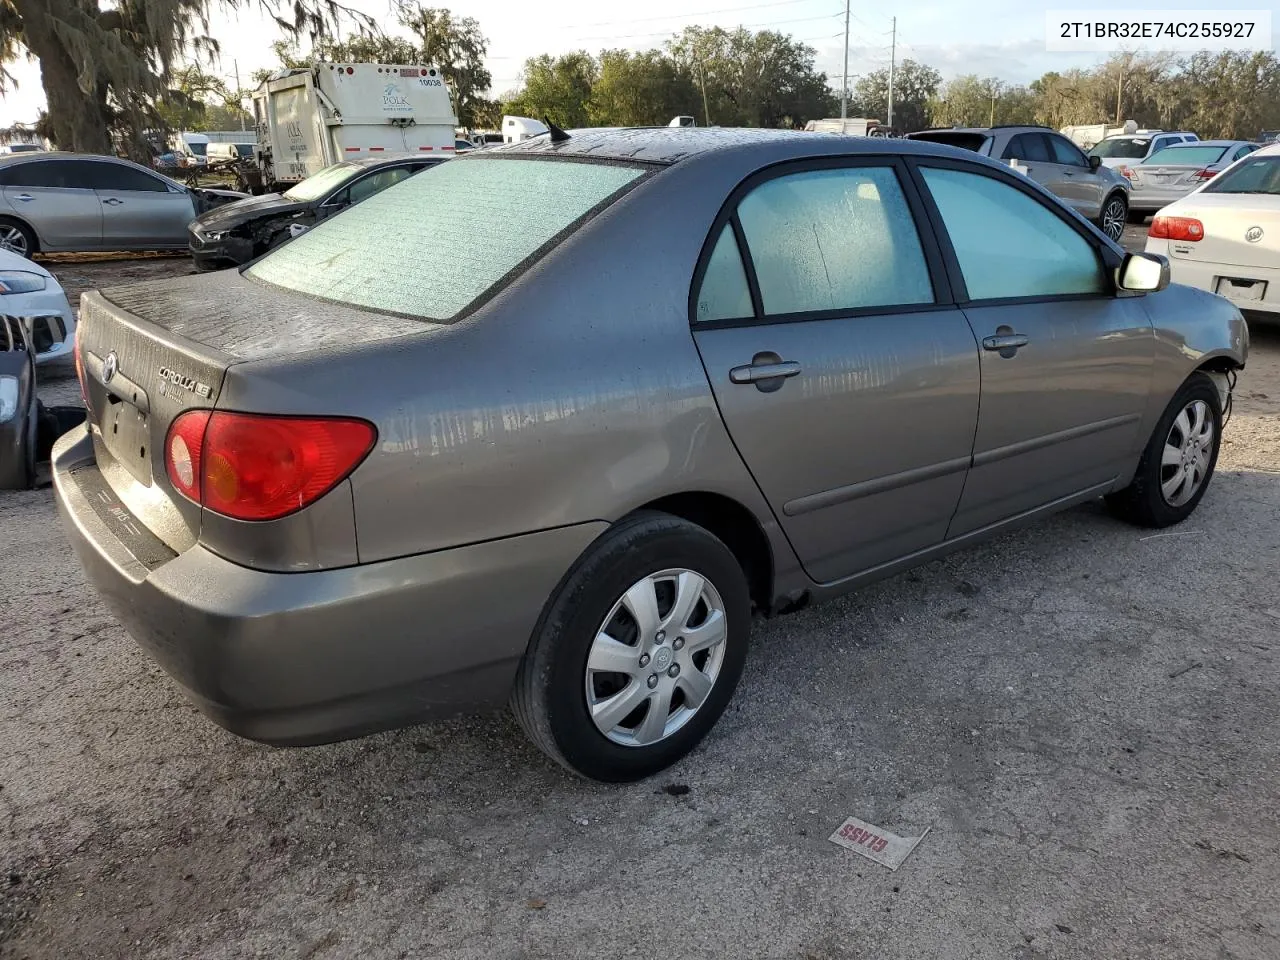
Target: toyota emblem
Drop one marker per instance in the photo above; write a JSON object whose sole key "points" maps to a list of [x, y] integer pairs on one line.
{"points": [[1253, 234], [109, 367]]}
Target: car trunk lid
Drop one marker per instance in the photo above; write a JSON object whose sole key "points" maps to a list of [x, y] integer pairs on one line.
{"points": [[1167, 175], [1239, 230], [151, 351]]}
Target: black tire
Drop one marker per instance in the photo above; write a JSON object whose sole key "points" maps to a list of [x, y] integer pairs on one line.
{"points": [[1113, 216], [549, 698], [1142, 502], [28, 236]]}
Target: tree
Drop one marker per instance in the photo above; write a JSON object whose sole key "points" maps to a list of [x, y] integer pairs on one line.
{"points": [[457, 47], [556, 87], [914, 84], [105, 63], [751, 79], [640, 89], [200, 101]]}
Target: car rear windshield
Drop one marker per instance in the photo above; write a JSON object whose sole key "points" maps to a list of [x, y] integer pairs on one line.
{"points": [[1126, 148], [430, 245], [320, 184], [1255, 175], [1191, 156]]}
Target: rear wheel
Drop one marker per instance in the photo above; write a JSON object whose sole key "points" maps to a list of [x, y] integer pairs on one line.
{"points": [[1115, 212], [17, 237], [639, 651], [1179, 460]]}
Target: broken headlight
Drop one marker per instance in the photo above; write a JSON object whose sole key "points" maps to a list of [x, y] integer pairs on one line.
{"points": [[8, 398], [216, 235], [20, 281]]}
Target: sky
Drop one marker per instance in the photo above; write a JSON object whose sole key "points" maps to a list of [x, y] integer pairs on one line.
{"points": [[1001, 38]]}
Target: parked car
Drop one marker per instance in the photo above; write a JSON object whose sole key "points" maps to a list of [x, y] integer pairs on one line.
{"points": [[70, 202], [1224, 236], [1053, 161], [1268, 136], [218, 152], [1130, 148], [19, 419], [424, 458], [238, 232], [29, 290], [1175, 171]]}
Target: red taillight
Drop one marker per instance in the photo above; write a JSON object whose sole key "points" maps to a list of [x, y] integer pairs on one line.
{"points": [[1205, 174], [1176, 228], [254, 467], [1126, 171]]}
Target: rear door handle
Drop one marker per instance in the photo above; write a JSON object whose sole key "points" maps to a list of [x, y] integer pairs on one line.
{"points": [[756, 372], [24, 197], [113, 201]]}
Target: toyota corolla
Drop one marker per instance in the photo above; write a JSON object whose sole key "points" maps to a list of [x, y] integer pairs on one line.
{"points": [[550, 425]]}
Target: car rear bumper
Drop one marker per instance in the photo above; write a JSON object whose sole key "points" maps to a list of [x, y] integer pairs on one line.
{"points": [[302, 658], [1151, 199]]}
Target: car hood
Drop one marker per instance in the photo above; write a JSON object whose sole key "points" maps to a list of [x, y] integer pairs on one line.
{"points": [[244, 211]]}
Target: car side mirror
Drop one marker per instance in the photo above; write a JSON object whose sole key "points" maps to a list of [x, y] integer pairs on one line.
{"points": [[1143, 273], [1094, 162]]}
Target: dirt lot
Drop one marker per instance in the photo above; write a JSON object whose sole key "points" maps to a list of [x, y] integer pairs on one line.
{"points": [[1086, 715]]}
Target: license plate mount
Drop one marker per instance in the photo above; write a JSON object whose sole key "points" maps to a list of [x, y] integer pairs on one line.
{"points": [[127, 437], [1241, 288]]}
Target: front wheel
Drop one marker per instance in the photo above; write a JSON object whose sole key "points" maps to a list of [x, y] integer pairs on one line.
{"points": [[1115, 213], [1179, 460], [639, 651]]}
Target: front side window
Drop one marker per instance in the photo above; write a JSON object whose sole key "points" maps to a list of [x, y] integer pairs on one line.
{"points": [[834, 240], [377, 182], [495, 211], [1064, 151], [1008, 244]]}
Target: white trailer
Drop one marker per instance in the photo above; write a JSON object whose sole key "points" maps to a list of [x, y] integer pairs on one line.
{"points": [[515, 129], [853, 126], [311, 117]]}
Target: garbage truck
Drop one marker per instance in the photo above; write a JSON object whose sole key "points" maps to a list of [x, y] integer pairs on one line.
{"points": [[308, 118]]}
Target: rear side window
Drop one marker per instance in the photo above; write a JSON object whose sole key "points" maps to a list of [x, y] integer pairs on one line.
{"points": [[834, 240], [1028, 146], [724, 294], [1008, 244], [67, 174], [116, 177], [430, 245]]}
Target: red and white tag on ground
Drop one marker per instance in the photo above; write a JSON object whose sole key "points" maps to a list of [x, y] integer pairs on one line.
{"points": [[874, 843]]}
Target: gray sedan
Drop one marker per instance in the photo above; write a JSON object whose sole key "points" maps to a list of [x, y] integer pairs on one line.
{"points": [[70, 202], [1172, 173], [425, 457]]}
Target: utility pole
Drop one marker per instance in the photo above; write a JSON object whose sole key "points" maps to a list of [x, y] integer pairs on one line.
{"points": [[239, 95], [893, 55], [1119, 92], [702, 82], [844, 87]]}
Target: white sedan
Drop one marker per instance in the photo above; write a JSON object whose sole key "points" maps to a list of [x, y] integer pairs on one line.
{"points": [[1224, 237], [29, 290]]}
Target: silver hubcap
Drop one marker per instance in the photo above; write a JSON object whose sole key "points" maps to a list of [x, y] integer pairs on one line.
{"points": [[1188, 450], [1113, 220], [11, 238], [656, 657]]}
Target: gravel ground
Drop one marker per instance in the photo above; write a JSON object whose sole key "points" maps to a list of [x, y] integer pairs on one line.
{"points": [[1084, 714]]}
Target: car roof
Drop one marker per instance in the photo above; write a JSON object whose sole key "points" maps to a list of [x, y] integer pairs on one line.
{"points": [[669, 145], [391, 158], [56, 155]]}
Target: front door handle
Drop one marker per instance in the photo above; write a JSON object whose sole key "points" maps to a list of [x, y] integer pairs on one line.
{"points": [[1006, 342], [767, 370], [113, 201], [24, 197]]}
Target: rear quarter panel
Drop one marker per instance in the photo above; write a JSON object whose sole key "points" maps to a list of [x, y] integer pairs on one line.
{"points": [[576, 394]]}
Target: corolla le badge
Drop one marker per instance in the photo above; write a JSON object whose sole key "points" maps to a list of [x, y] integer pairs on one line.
{"points": [[110, 366], [1253, 234], [190, 384]]}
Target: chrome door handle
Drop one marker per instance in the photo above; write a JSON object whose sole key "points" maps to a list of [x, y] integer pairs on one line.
{"points": [[24, 197], [754, 373], [113, 201], [1006, 343]]}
